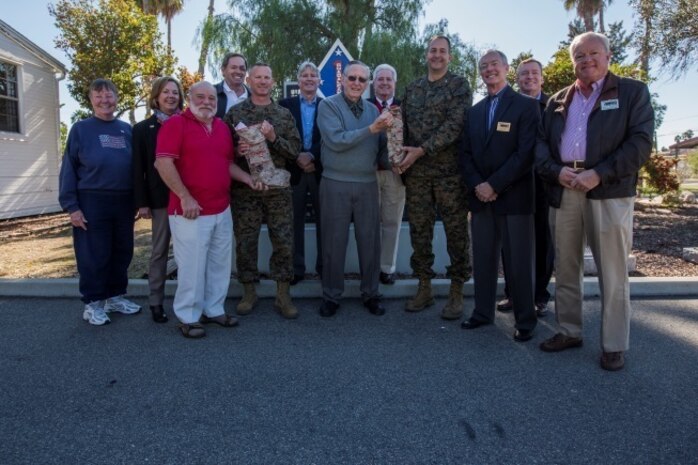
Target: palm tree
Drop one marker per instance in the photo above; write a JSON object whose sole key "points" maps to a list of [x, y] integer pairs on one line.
{"points": [[586, 9], [206, 37], [168, 9]]}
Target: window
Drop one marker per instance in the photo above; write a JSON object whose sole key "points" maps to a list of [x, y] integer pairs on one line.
{"points": [[9, 98]]}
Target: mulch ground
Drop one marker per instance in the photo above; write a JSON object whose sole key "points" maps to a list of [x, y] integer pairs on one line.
{"points": [[41, 246]]}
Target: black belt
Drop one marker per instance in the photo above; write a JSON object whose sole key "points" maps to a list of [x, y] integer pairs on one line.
{"points": [[576, 164]]}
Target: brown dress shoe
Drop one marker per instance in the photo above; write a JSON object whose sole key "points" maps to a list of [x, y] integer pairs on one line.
{"points": [[505, 305], [560, 342], [612, 361]]}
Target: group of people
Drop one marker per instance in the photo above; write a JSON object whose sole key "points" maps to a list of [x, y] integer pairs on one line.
{"points": [[506, 159]]}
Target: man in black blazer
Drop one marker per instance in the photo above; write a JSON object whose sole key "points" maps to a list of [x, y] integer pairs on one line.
{"points": [[529, 77], [497, 165], [232, 88], [390, 186], [306, 171]]}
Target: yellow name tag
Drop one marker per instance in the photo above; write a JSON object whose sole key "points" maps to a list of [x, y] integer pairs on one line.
{"points": [[503, 127]]}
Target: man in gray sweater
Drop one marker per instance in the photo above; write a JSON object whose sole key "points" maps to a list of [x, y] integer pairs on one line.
{"points": [[353, 144]]}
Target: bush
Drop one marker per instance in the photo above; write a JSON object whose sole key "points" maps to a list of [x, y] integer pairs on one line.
{"points": [[692, 162], [660, 173]]}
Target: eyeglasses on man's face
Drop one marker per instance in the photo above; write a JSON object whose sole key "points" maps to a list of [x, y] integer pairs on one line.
{"points": [[361, 79]]}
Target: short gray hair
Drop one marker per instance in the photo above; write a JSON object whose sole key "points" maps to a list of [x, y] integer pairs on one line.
{"points": [[380, 68], [198, 84], [357, 63], [305, 65], [100, 84], [588, 35], [501, 54]]}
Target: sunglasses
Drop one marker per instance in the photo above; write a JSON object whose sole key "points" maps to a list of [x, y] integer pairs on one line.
{"points": [[361, 79]]}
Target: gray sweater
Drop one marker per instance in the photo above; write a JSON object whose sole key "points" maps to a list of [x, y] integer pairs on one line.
{"points": [[350, 152]]}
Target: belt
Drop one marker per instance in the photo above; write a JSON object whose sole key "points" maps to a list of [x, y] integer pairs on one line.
{"points": [[576, 164]]}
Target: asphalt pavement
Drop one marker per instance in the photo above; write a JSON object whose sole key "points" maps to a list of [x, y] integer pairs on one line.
{"points": [[354, 389]]}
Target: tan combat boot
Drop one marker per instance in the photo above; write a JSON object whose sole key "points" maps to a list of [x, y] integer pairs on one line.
{"points": [[283, 301], [423, 299], [454, 307], [249, 299]]}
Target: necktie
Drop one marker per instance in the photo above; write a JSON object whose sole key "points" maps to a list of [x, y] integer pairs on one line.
{"points": [[384, 105], [493, 108]]}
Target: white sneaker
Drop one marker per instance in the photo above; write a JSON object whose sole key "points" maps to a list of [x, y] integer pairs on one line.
{"points": [[121, 305], [94, 313]]}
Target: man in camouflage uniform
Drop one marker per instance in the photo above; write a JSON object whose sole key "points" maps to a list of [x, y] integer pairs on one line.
{"points": [[433, 115], [250, 208]]}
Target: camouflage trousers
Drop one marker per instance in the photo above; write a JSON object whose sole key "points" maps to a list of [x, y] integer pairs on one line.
{"points": [[446, 195], [250, 209]]}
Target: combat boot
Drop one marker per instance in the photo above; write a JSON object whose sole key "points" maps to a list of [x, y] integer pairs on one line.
{"points": [[423, 299], [454, 307], [249, 299], [283, 301]]}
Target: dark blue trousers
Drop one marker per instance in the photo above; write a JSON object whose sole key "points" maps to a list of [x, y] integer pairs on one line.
{"points": [[104, 252]]}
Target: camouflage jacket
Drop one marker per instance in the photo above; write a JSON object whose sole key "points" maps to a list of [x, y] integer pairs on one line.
{"points": [[287, 144], [433, 114]]}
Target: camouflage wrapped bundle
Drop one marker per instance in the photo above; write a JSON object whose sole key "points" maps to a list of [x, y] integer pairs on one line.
{"points": [[394, 134], [262, 167]]}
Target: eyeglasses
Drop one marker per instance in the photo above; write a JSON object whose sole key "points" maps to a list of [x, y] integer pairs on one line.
{"points": [[361, 79]]}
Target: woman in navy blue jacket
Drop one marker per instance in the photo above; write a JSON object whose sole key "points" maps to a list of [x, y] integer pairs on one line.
{"points": [[96, 189]]}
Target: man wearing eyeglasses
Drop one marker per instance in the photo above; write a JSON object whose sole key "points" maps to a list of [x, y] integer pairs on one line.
{"points": [[352, 143], [433, 109]]}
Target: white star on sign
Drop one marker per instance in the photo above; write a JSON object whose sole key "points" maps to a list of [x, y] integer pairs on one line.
{"points": [[338, 52]]}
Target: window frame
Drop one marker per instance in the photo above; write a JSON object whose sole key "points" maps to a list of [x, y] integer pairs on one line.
{"points": [[18, 98]]}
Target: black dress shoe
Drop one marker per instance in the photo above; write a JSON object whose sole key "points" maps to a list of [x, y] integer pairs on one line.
{"points": [[523, 335], [297, 278], [328, 309], [387, 278], [158, 312], [472, 323], [374, 306]]}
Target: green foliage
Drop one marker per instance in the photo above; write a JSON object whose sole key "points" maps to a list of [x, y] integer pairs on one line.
{"points": [[284, 33], [110, 39], [692, 162], [63, 136], [668, 30]]}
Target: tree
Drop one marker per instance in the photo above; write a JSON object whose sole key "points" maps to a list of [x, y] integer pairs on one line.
{"points": [[204, 34], [286, 32], [168, 9], [110, 39], [586, 10], [669, 33]]}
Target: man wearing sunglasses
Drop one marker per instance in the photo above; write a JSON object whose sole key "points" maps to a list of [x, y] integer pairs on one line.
{"points": [[432, 114], [353, 143]]}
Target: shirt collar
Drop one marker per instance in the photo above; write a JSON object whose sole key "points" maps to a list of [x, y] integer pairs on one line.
{"points": [[229, 90]]}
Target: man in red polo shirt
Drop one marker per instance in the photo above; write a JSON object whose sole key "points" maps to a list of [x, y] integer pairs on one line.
{"points": [[194, 157]]}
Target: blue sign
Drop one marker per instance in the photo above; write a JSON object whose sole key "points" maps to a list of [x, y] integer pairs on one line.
{"points": [[331, 69]]}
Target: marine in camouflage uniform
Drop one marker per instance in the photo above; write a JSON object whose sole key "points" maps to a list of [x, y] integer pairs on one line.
{"points": [[433, 116], [251, 208]]}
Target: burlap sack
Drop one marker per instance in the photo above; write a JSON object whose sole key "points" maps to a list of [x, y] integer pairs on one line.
{"points": [[394, 134], [259, 160]]}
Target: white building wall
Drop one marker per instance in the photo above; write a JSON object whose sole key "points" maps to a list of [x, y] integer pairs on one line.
{"points": [[29, 161]]}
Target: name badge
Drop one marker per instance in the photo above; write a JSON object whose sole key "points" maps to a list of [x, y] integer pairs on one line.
{"points": [[503, 127], [611, 104]]}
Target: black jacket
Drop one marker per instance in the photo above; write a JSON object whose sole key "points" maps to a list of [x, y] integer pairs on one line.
{"points": [[619, 140], [293, 104], [149, 189]]}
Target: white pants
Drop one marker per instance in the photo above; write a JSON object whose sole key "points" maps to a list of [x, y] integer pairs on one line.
{"points": [[202, 249], [392, 205]]}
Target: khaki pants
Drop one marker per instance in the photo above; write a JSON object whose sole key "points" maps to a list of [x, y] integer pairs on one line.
{"points": [[391, 192], [607, 226]]}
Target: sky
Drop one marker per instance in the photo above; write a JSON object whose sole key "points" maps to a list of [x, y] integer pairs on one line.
{"points": [[509, 25]]}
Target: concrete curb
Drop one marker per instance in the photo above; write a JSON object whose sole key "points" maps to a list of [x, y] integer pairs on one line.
{"points": [[68, 287]]}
